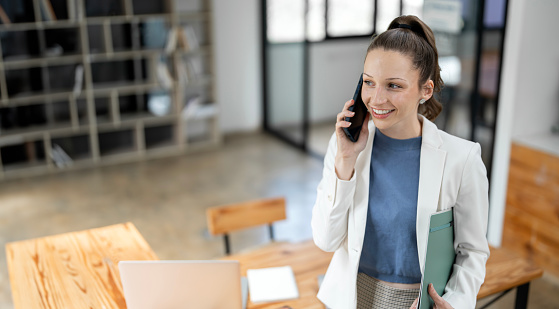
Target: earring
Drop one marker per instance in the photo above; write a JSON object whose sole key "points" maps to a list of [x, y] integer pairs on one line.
{"points": [[421, 101]]}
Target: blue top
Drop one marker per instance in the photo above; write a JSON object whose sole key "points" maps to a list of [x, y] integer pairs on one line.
{"points": [[390, 245]]}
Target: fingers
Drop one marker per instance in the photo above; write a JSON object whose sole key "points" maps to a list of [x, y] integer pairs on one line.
{"points": [[439, 301], [345, 111], [340, 118], [343, 124], [414, 305], [348, 104]]}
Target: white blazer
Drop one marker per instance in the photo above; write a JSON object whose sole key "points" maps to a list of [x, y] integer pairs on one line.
{"points": [[451, 174]]}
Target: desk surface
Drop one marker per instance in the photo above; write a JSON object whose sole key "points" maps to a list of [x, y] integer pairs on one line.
{"points": [[306, 260], [504, 270], [74, 270], [80, 269]]}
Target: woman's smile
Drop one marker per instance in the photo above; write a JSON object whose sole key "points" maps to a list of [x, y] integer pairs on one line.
{"points": [[381, 113]]}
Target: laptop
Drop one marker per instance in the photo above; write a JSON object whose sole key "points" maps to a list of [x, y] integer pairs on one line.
{"points": [[181, 284]]}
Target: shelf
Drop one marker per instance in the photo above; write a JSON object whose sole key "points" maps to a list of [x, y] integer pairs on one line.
{"points": [[109, 120], [125, 55], [202, 15], [147, 118], [202, 51], [22, 63], [28, 166], [39, 25], [124, 87], [130, 121], [25, 98], [121, 19], [35, 131]]}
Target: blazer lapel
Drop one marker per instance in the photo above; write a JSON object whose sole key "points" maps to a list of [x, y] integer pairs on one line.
{"points": [[431, 169], [361, 199]]}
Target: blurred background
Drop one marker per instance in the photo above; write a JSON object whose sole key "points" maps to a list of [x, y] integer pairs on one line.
{"points": [[152, 111]]}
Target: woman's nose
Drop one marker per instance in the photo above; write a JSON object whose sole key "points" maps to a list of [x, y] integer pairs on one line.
{"points": [[375, 96]]}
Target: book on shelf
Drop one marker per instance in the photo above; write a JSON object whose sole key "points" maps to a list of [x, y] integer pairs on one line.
{"points": [[190, 70], [182, 41], [60, 158], [4, 17], [195, 109], [188, 38], [30, 151], [171, 44], [164, 76], [78, 80], [190, 107], [47, 11], [182, 75], [196, 65]]}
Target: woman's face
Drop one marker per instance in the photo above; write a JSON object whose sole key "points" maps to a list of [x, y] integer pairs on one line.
{"points": [[391, 93]]}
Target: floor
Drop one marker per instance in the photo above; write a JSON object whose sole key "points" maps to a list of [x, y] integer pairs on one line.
{"points": [[166, 200]]}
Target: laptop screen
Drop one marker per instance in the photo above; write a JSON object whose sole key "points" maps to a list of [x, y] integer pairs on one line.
{"points": [[181, 284]]}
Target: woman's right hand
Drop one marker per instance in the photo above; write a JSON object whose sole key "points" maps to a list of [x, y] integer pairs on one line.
{"points": [[348, 150]]}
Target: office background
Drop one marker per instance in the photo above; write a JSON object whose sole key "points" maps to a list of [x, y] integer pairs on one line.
{"points": [[249, 164]]}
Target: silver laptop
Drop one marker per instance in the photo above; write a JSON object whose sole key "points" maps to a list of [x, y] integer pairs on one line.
{"points": [[181, 284]]}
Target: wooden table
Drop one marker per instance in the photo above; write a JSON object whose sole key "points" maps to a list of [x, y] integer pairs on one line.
{"points": [[80, 269], [505, 271], [306, 260], [74, 270]]}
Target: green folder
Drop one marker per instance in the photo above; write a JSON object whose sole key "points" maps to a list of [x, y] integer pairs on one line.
{"points": [[439, 257]]}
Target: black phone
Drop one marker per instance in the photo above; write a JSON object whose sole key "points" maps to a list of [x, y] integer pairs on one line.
{"points": [[360, 113]]}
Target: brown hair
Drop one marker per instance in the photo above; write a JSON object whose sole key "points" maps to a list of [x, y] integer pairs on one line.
{"points": [[412, 37]]}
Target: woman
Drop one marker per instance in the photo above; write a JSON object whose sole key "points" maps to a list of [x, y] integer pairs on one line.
{"points": [[376, 195]]}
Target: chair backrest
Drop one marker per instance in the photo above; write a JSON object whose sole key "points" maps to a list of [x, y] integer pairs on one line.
{"points": [[228, 218]]}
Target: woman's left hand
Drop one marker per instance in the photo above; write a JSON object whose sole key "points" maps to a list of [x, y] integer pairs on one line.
{"points": [[440, 303]]}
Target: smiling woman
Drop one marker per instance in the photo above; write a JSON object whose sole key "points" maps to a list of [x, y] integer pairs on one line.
{"points": [[392, 93], [377, 194]]}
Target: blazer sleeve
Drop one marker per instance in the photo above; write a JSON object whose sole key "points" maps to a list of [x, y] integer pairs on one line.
{"points": [[472, 249], [333, 200]]}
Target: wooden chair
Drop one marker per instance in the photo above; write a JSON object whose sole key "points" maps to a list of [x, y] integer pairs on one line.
{"points": [[225, 219]]}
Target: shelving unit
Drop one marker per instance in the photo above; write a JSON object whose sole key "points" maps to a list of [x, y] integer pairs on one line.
{"points": [[105, 81]]}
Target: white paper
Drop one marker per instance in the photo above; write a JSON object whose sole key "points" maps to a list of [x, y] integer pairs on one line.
{"points": [[272, 284]]}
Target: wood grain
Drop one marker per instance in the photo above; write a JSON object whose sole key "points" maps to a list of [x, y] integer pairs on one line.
{"points": [[505, 270], [532, 210], [74, 270], [306, 260], [228, 218]]}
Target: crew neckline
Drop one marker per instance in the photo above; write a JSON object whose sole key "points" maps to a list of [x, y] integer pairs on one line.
{"points": [[397, 144]]}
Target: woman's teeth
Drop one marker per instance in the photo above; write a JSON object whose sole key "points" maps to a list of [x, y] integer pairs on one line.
{"points": [[382, 111]]}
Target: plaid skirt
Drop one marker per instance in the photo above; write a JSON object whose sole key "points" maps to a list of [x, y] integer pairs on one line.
{"points": [[371, 293]]}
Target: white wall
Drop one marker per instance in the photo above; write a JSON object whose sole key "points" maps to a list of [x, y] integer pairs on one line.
{"points": [[236, 36], [529, 97]]}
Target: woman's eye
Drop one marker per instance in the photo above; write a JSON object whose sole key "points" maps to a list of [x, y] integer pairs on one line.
{"points": [[368, 83], [393, 86]]}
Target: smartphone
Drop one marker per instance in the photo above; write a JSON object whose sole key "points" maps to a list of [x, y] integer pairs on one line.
{"points": [[352, 132]]}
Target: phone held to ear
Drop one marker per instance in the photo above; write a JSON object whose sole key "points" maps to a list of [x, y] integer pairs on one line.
{"points": [[352, 132]]}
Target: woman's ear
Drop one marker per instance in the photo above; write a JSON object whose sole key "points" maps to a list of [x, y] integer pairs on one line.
{"points": [[427, 90]]}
